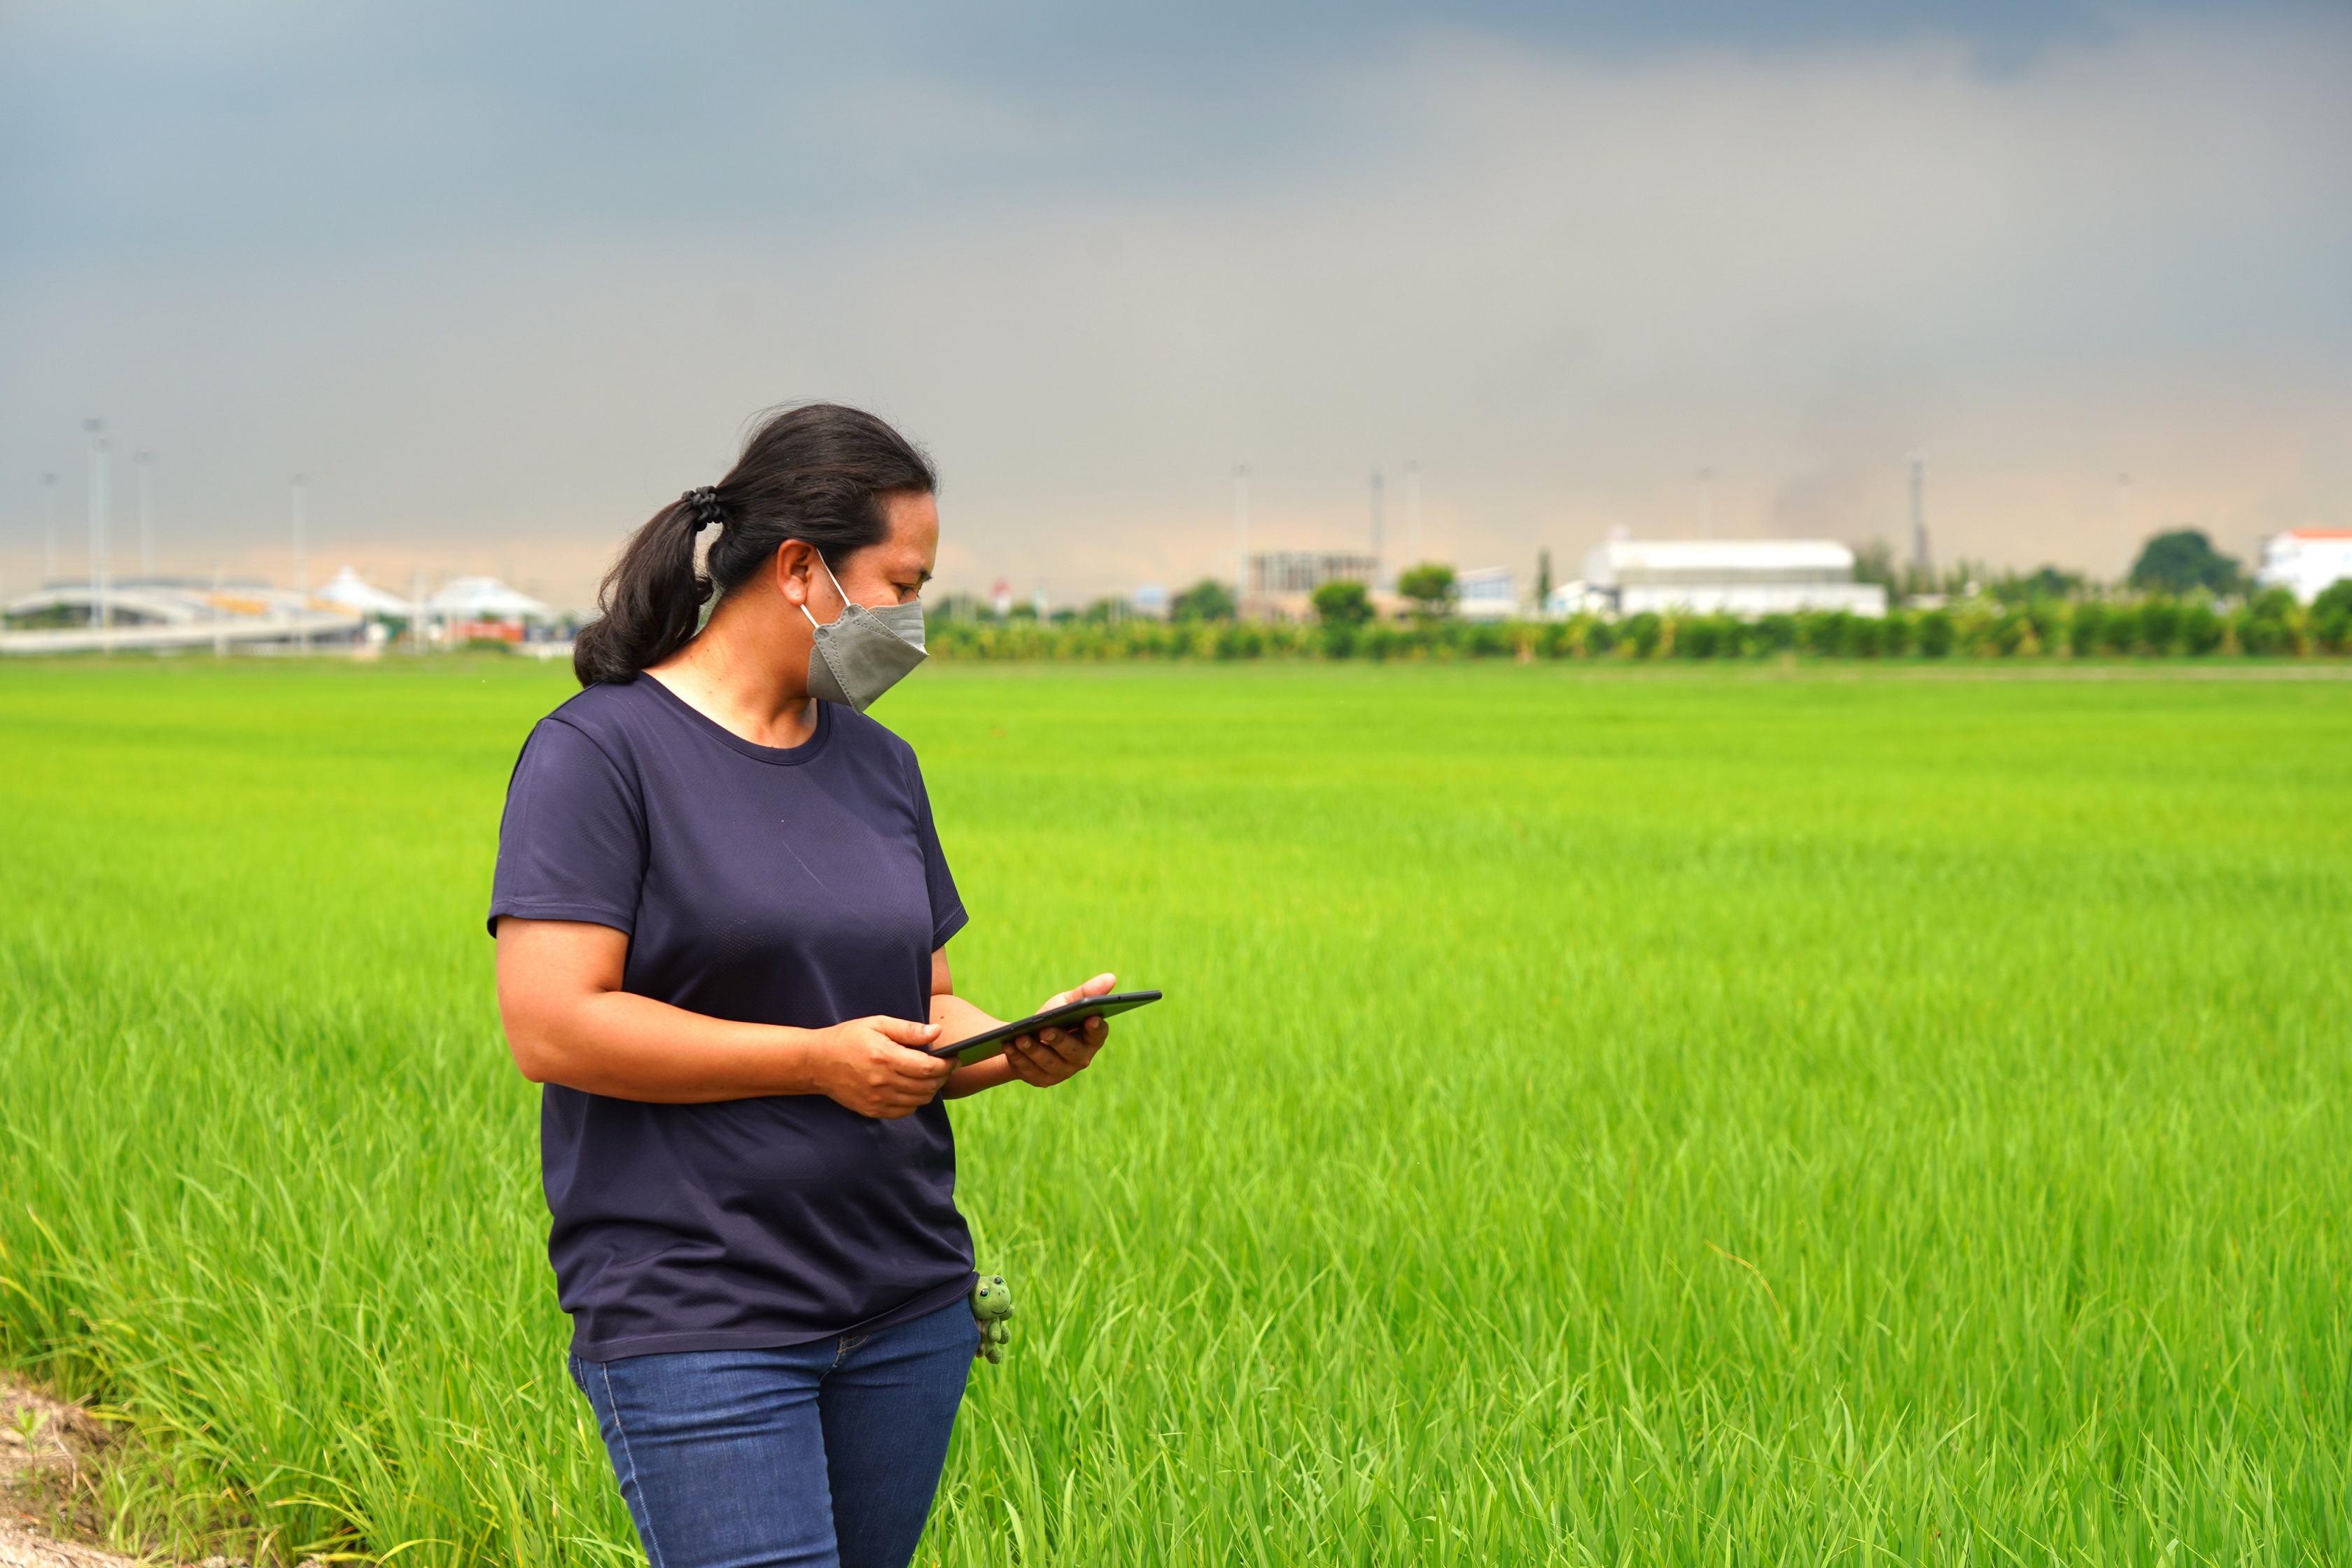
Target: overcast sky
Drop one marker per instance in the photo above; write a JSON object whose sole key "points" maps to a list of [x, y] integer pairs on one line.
{"points": [[501, 279]]}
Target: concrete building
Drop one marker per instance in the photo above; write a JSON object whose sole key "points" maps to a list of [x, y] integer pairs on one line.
{"points": [[1488, 594], [1727, 576], [2305, 561], [1274, 573], [1282, 582]]}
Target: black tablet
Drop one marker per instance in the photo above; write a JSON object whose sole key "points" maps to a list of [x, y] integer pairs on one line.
{"points": [[979, 1047]]}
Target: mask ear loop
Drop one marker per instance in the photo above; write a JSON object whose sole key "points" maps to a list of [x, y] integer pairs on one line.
{"points": [[843, 597]]}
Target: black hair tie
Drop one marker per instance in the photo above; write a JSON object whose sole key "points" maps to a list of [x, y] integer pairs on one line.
{"points": [[707, 509]]}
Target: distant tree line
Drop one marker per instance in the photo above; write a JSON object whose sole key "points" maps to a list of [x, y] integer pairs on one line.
{"points": [[2181, 562], [1988, 625], [2184, 599]]}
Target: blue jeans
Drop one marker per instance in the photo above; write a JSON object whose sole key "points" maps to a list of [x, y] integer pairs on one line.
{"points": [[824, 1453]]}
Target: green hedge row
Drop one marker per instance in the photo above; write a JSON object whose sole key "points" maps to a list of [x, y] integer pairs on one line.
{"points": [[2273, 626]]}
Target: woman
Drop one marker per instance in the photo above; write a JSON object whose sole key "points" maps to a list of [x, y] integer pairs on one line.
{"points": [[722, 918]]}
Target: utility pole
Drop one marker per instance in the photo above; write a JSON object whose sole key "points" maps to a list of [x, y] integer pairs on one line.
{"points": [[1240, 540], [1707, 503], [96, 429], [1919, 559], [1412, 512], [143, 465], [49, 529], [1376, 528], [302, 563], [2123, 527]]}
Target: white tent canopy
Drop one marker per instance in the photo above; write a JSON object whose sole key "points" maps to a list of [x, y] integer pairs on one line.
{"points": [[486, 599], [356, 594]]}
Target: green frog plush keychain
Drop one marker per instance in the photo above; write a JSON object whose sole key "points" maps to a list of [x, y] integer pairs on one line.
{"points": [[991, 1304]]}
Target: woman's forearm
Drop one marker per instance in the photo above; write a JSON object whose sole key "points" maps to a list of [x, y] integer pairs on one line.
{"points": [[958, 1020], [633, 1047], [979, 1075]]}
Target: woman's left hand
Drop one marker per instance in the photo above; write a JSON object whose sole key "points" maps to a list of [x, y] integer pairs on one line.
{"points": [[1057, 1055]]}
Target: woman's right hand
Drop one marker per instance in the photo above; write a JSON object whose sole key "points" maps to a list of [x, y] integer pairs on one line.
{"points": [[865, 1065]]}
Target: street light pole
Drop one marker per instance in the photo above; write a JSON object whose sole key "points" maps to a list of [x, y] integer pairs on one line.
{"points": [[301, 564], [95, 429], [144, 468], [1919, 555], [2123, 527], [49, 529], [1412, 511], [1241, 538]]}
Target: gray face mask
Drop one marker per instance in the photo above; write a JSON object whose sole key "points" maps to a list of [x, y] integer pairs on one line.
{"points": [[864, 653]]}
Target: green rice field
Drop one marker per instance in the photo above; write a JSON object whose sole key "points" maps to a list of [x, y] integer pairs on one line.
{"points": [[1677, 1116]]}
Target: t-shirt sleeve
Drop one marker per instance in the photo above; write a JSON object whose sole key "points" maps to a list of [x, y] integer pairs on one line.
{"points": [[947, 915], [571, 845]]}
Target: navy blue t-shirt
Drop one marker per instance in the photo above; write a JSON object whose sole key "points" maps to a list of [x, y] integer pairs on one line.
{"points": [[800, 886]]}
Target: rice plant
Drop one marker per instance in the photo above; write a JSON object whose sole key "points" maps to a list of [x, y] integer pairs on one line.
{"points": [[1601, 1115]]}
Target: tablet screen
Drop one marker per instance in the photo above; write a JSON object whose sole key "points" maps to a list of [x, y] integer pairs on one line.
{"points": [[979, 1047]]}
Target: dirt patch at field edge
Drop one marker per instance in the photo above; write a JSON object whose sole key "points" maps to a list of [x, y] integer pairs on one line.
{"points": [[44, 1449], [47, 1450]]}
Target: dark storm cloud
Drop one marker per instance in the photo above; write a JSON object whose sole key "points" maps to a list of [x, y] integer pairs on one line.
{"points": [[298, 125], [516, 273]]}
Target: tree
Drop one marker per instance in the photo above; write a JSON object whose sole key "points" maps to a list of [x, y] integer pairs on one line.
{"points": [[1343, 605], [2045, 583], [2183, 561], [1206, 600], [1874, 563], [1430, 587], [2331, 616]]}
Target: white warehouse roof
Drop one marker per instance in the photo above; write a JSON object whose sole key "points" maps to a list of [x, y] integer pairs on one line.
{"points": [[1728, 576], [1717, 560]]}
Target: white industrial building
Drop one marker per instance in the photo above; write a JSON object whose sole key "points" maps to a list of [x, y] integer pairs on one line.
{"points": [[1487, 593], [1726, 576], [1575, 599], [2305, 561]]}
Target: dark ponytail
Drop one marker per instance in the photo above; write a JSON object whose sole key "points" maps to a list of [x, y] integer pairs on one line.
{"points": [[816, 473]]}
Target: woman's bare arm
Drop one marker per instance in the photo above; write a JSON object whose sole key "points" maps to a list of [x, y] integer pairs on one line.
{"points": [[569, 1022]]}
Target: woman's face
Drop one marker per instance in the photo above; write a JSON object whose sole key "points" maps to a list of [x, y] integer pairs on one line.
{"points": [[894, 571]]}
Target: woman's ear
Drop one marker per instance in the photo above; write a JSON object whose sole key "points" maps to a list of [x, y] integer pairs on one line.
{"points": [[792, 570]]}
